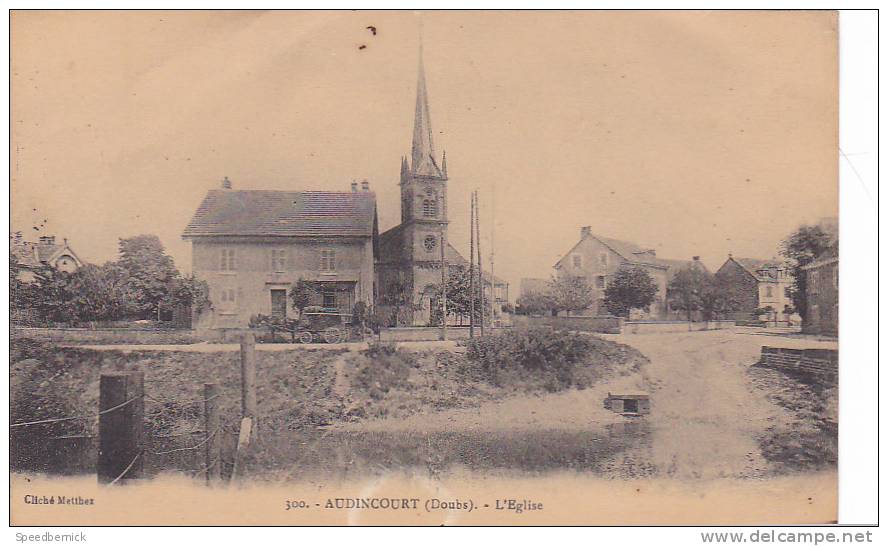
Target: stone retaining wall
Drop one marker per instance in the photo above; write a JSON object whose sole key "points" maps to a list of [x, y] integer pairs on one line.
{"points": [[820, 362]]}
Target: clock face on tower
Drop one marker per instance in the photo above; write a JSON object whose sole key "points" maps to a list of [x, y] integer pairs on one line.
{"points": [[430, 242]]}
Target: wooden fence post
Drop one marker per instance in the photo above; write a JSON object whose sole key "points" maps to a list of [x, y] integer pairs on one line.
{"points": [[248, 381], [213, 433], [121, 411]]}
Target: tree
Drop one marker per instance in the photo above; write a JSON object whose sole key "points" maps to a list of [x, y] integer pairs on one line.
{"points": [[18, 290], [800, 248], [51, 295], [399, 296], [535, 303], [301, 294], [685, 290], [630, 288], [571, 294], [97, 292], [187, 292], [150, 273], [459, 296], [719, 297]]}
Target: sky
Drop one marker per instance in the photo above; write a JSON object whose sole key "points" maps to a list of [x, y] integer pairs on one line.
{"points": [[693, 133]]}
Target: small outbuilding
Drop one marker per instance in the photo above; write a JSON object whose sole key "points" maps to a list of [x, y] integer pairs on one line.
{"points": [[628, 403]]}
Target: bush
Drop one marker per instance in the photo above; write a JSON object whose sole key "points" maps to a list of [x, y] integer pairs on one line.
{"points": [[549, 354], [381, 368]]}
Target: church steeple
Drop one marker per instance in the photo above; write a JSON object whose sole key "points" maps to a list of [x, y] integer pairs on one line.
{"points": [[423, 153]]}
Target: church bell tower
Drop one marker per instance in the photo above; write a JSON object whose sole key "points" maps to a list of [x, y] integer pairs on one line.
{"points": [[424, 185]]}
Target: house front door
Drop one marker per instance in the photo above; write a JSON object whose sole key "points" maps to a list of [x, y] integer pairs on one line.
{"points": [[279, 303]]}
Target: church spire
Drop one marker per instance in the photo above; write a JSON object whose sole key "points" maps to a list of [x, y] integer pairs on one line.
{"points": [[423, 155]]}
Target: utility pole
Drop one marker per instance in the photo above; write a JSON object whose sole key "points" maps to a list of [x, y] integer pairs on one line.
{"points": [[478, 247], [472, 269], [492, 233]]}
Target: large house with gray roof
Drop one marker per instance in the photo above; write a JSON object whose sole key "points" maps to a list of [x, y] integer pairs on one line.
{"points": [[597, 259], [252, 245]]}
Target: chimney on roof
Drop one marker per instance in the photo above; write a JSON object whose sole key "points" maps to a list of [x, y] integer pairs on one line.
{"points": [[354, 186], [585, 231], [226, 183], [365, 185], [47, 240]]}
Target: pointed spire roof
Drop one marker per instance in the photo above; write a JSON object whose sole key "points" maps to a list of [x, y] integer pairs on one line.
{"points": [[423, 156]]}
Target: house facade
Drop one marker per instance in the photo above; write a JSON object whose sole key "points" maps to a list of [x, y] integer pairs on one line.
{"points": [[46, 252], [758, 284], [412, 253], [252, 246], [530, 285], [822, 295], [597, 259]]}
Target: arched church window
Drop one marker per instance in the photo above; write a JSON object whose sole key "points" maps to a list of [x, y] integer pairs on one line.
{"points": [[430, 242], [430, 208]]}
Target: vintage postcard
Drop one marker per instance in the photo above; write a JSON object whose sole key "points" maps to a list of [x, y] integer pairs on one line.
{"points": [[423, 268]]}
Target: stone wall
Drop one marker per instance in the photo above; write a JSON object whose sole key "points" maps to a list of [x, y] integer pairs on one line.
{"points": [[111, 336], [818, 362], [425, 334], [600, 324], [658, 327]]}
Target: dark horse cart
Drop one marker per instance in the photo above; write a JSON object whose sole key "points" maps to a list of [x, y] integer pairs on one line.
{"points": [[313, 327]]}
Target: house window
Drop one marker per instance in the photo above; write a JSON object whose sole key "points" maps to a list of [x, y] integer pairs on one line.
{"points": [[329, 298], [228, 297], [599, 281], [602, 259], [577, 261], [278, 259], [430, 208], [227, 262], [430, 242], [328, 260], [769, 292]]}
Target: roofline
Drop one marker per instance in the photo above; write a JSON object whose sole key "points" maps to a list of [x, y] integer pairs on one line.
{"points": [[620, 254], [743, 267]]}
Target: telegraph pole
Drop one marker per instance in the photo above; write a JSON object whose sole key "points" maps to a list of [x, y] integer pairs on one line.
{"points": [[492, 233], [478, 247], [472, 269]]}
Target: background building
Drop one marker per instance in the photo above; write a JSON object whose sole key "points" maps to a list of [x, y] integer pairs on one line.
{"points": [[597, 259], [757, 285], [44, 253], [822, 294]]}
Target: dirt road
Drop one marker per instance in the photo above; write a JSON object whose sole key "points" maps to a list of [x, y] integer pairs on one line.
{"points": [[706, 415]]}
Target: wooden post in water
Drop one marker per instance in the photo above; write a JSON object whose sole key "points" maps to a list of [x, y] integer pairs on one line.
{"points": [[213, 433], [248, 381], [121, 411]]}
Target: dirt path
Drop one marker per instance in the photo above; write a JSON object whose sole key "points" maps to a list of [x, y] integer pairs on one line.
{"points": [[706, 416]]}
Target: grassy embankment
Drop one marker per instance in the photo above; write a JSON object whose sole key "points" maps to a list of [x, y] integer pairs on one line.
{"points": [[303, 391]]}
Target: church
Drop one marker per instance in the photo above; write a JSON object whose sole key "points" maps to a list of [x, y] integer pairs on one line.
{"points": [[409, 262]]}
